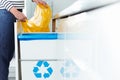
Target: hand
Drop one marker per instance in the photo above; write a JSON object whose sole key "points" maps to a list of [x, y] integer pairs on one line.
{"points": [[19, 15], [40, 2]]}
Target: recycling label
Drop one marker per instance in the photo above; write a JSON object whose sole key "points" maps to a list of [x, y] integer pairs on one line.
{"points": [[70, 69], [42, 70]]}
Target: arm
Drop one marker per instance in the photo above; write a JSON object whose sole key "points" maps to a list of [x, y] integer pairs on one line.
{"points": [[19, 15], [8, 6]]}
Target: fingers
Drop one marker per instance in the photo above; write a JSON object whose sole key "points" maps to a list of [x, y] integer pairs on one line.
{"points": [[23, 19], [42, 2], [20, 16], [36, 1]]}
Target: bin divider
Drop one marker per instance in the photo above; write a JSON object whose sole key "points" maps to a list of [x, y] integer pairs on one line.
{"points": [[41, 59]]}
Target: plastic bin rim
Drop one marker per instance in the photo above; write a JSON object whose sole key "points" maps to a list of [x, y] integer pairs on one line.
{"points": [[37, 36]]}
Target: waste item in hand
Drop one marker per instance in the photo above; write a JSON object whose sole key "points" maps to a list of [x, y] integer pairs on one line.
{"points": [[40, 21]]}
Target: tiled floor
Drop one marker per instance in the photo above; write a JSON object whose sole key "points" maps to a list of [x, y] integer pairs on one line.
{"points": [[12, 70]]}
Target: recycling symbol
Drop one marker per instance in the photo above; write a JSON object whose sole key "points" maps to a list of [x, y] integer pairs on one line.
{"points": [[42, 70], [70, 69]]}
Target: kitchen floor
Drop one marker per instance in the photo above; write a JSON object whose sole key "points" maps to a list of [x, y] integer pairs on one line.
{"points": [[12, 70]]}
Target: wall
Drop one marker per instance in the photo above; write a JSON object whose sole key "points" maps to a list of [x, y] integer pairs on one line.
{"points": [[59, 5], [56, 5]]}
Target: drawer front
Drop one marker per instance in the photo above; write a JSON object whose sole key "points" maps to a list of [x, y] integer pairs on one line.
{"points": [[41, 70], [42, 49]]}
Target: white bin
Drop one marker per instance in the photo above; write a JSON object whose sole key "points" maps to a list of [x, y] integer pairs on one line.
{"points": [[41, 47]]}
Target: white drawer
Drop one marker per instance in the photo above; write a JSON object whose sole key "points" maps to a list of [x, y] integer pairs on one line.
{"points": [[42, 49], [29, 71]]}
